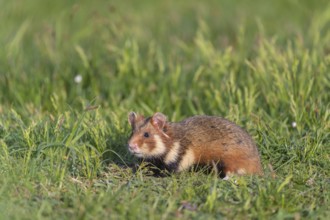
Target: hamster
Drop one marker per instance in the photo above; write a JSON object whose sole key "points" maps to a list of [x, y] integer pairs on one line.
{"points": [[199, 140]]}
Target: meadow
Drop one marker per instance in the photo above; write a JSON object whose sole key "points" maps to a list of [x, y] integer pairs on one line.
{"points": [[70, 71]]}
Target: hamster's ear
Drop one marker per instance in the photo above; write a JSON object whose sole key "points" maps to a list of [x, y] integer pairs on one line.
{"points": [[132, 118], [158, 120]]}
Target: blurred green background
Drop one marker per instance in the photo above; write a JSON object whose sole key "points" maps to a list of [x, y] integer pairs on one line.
{"points": [[135, 53]]}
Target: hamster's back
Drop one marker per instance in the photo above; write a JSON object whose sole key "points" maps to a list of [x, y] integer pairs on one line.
{"points": [[206, 129]]}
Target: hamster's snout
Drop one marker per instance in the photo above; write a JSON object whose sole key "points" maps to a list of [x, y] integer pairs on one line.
{"points": [[133, 147]]}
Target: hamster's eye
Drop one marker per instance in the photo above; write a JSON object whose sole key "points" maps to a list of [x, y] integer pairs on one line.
{"points": [[146, 134]]}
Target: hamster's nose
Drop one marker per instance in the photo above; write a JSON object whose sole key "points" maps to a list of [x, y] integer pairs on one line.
{"points": [[132, 147]]}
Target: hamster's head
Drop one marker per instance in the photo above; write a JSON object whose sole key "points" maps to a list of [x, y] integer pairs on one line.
{"points": [[148, 139]]}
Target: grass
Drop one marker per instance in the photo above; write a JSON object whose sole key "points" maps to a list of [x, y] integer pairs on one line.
{"points": [[63, 150]]}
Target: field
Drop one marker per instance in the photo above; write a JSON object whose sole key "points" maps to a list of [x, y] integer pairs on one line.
{"points": [[70, 71]]}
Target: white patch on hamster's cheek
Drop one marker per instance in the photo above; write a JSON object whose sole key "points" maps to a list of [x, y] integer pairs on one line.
{"points": [[187, 160], [173, 154], [142, 151], [160, 147]]}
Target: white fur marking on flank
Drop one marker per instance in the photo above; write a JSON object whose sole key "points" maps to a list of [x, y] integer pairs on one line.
{"points": [[187, 160], [241, 171], [173, 154], [160, 147]]}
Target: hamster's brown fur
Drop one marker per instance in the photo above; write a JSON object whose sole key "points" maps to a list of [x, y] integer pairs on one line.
{"points": [[198, 140]]}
